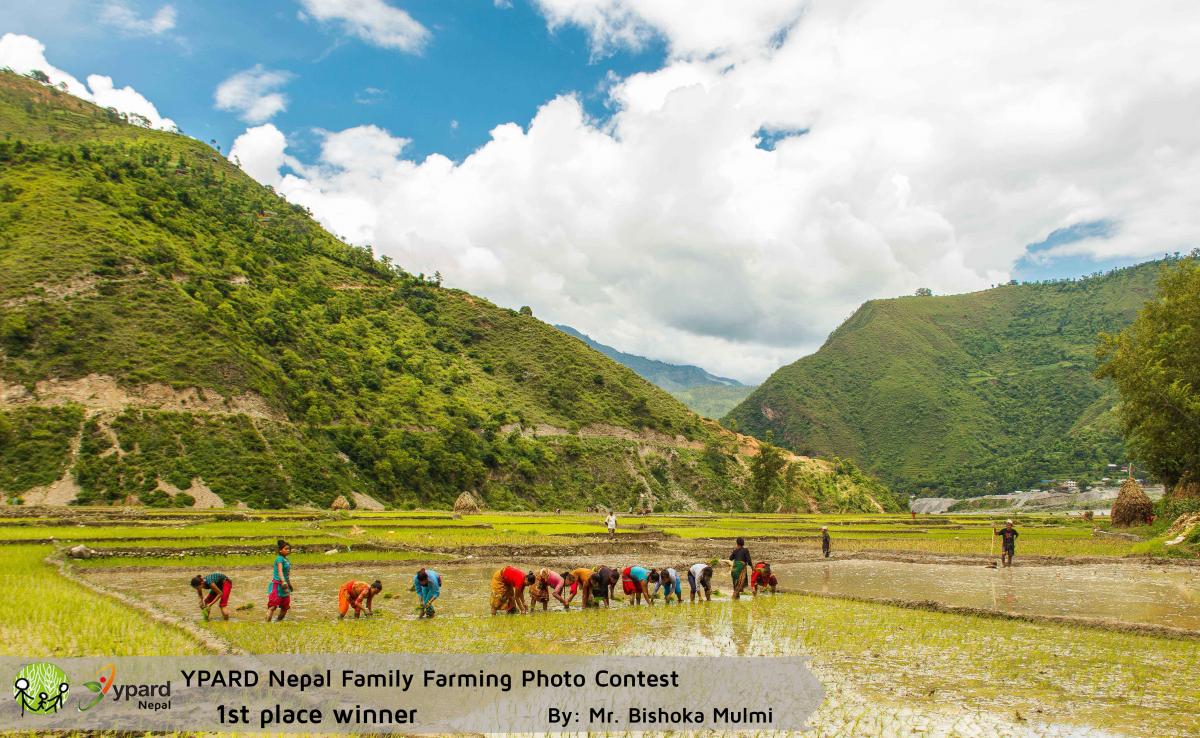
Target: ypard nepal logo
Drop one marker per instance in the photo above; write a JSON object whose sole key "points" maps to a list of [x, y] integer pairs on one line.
{"points": [[42, 688]]}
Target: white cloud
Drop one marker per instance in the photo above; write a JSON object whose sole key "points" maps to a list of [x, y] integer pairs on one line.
{"points": [[253, 93], [943, 136], [373, 21], [120, 15], [24, 54]]}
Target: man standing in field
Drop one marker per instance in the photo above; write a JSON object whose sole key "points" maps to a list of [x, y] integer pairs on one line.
{"points": [[611, 522], [740, 558], [1008, 537], [358, 595], [213, 588], [700, 575], [428, 586], [508, 590], [825, 540]]}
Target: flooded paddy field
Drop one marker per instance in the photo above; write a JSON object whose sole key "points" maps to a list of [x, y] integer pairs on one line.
{"points": [[887, 670], [1132, 593]]}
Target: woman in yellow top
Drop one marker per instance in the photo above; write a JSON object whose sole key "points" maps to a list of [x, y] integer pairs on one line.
{"points": [[581, 581]]}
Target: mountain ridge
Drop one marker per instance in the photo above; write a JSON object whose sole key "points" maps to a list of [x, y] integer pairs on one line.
{"points": [[951, 394]]}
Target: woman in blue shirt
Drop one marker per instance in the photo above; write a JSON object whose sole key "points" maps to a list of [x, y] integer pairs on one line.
{"points": [[279, 591]]}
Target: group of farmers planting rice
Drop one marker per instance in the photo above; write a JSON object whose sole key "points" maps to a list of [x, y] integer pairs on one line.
{"points": [[509, 584]]}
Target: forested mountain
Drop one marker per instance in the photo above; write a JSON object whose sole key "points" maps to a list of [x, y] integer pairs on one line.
{"points": [[705, 393], [962, 394], [173, 332]]}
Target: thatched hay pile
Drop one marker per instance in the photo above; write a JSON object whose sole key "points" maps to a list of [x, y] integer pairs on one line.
{"points": [[340, 503], [1187, 489], [1132, 506], [466, 504]]}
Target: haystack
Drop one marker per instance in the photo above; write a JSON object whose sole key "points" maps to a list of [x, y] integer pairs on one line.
{"points": [[466, 504], [1188, 488], [1132, 506], [340, 503]]}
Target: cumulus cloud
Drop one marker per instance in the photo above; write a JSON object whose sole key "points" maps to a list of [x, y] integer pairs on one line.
{"points": [[253, 93], [121, 16], [910, 145], [23, 54], [373, 21]]}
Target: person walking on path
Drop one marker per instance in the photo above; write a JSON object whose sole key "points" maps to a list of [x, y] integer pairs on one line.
{"points": [[279, 591], [740, 572], [700, 577], [508, 590], [1008, 537], [825, 541], [358, 595], [213, 588], [428, 585], [611, 522]]}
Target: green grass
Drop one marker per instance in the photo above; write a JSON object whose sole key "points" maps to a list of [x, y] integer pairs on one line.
{"points": [[45, 615]]}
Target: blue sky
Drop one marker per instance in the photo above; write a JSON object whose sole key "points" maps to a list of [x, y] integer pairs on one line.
{"points": [[697, 181], [482, 65]]}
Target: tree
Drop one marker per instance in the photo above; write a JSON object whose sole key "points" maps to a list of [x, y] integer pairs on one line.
{"points": [[924, 292], [525, 310], [39, 76], [1155, 364], [765, 471]]}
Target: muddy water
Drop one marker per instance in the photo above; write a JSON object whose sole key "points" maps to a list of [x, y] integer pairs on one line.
{"points": [[465, 589], [1135, 593]]}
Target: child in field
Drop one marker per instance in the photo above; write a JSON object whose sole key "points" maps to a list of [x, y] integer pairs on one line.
{"points": [[279, 591], [700, 575], [581, 582], [508, 590], [358, 595], [668, 580], [213, 588], [428, 585], [762, 577], [740, 571]]}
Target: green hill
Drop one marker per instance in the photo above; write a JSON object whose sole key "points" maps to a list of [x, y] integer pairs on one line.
{"points": [[963, 394], [171, 333], [705, 393]]}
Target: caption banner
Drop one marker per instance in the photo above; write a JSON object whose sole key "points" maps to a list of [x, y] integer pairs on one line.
{"points": [[410, 693]]}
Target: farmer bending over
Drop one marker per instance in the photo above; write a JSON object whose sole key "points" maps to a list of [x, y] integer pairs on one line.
{"points": [[428, 586], [762, 577], [604, 583], [668, 580], [581, 584], [213, 588], [636, 580], [700, 576], [1008, 536], [508, 590], [357, 595]]}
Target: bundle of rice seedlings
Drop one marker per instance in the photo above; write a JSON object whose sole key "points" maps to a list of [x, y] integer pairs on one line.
{"points": [[1132, 506]]}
